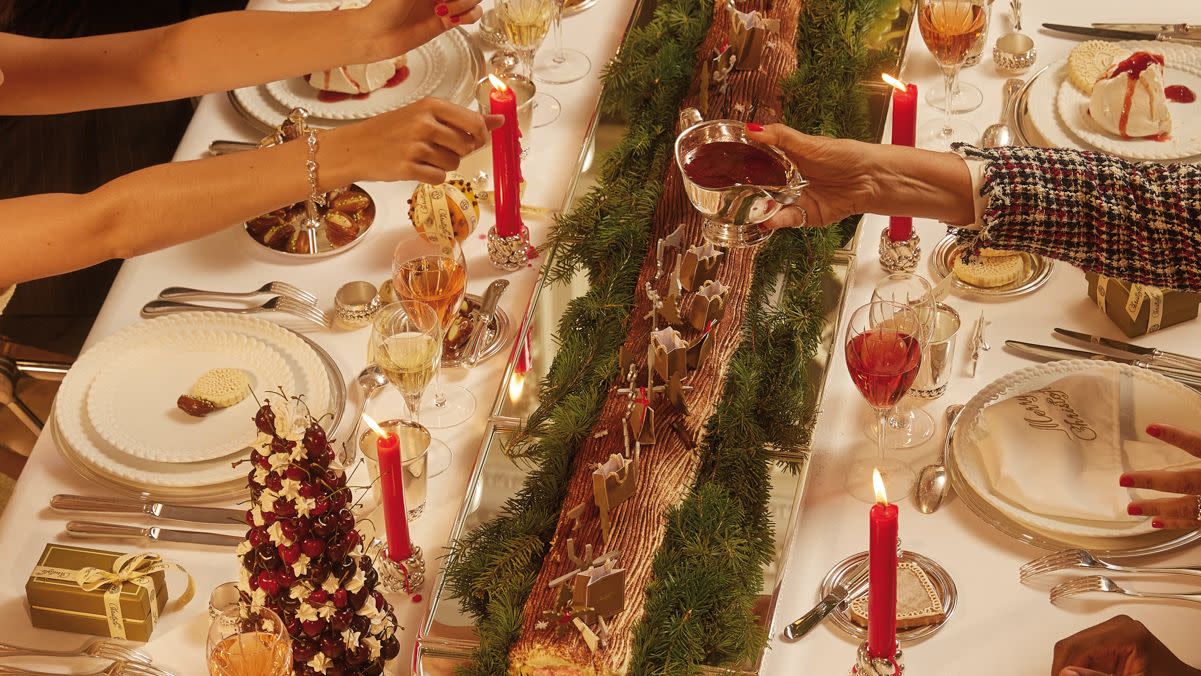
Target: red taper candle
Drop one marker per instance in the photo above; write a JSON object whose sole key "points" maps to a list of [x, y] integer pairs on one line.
{"points": [[882, 575], [506, 159], [904, 133], [391, 484]]}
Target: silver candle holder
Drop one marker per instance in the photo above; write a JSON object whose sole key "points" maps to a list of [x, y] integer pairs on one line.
{"points": [[899, 256], [508, 253], [401, 577], [868, 665]]}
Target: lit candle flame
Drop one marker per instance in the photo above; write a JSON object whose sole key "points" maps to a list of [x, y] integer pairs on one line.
{"points": [[497, 83], [374, 426], [516, 385], [894, 82], [878, 485]]}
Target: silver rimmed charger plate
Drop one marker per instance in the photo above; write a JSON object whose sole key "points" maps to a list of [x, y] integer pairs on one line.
{"points": [[939, 577], [1037, 270], [226, 491]]}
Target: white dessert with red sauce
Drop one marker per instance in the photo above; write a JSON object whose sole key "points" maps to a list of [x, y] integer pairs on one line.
{"points": [[1129, 100], [359, 80]]}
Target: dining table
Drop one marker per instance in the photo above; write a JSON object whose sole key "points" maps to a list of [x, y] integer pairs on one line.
{"points": [[1000, 626]]}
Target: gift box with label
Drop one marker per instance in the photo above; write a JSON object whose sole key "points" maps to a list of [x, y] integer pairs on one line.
{"points": [[1139, 309], [90, 591]]}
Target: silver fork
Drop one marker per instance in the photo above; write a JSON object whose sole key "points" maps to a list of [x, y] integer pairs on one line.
{"points": [[1079, 558], [119, 668], [98, 647], [1098, 583], [275, 288], [158, 308]]}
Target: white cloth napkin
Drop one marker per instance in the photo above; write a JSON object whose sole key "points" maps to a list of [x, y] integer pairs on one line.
{"points": [[1058, 450]]}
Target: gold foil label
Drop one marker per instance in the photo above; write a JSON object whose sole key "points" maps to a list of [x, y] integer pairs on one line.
{"points": [[112, 611], [1102, 287], [430, 206]]}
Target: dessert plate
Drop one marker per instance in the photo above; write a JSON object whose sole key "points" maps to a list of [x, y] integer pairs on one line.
{"points": [[131, 403], [435, 69], [1148, 397], [1184, 140]]}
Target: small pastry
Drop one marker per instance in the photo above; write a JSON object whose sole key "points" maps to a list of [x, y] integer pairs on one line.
{"points": [[216, 388], [990, 273]]}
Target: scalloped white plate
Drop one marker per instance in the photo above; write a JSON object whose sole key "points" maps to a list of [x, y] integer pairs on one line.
{"points": [[88, 448], [131, 403], [1150, 398], [440, 60]]}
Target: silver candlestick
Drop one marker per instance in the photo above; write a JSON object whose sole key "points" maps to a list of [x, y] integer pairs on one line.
{"points": [[899, 256], [399, 577], [867, 665], [508, 253]]}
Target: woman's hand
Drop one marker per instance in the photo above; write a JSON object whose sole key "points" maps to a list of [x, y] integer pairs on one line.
{"points": [[403, 25], [420, 142], [1119, 646], [1182, 512], [839, 178]]}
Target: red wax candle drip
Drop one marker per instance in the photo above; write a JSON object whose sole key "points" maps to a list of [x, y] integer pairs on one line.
{"points": [[882, 579], [506, 162], [396, 518], [904, 133]]}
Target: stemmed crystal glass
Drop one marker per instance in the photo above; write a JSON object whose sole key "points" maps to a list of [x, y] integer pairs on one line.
{"points": [[243, 641], [406, 344], [883, 352], [562, 65], [950, 29], [908, 426], [525, 24], [436, 273]]}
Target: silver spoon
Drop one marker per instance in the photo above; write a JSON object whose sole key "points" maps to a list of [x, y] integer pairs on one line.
{"points": [[932, 482], [368, 381], [999, 134]]}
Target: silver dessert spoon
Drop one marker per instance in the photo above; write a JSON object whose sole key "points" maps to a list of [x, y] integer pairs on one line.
{"points": [[932, 482]]}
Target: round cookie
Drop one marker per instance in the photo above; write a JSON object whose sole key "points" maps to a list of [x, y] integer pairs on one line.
{"points": [[989, 273], [223, 387], [1089, 61]]}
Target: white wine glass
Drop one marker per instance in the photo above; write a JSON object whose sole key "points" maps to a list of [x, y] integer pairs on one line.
{"points": [[406, 344], [561, 65], [908, 426], [950, 29], [245, 641], [435, 273], [525, 24]]}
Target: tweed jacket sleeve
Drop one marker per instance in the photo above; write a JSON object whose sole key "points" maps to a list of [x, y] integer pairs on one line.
{"points": [[1138, 222]]}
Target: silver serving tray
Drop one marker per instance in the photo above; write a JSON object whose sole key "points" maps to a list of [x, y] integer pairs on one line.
{"points": [[944, 585], [1038, 272]]}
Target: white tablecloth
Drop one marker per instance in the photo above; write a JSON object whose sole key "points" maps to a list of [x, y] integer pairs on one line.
{"points": [[229, 261], [1001, 627]]}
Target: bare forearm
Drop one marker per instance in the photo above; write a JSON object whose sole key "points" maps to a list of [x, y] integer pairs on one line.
{"points": [[206, 54], [158, 207], [922, 183]]}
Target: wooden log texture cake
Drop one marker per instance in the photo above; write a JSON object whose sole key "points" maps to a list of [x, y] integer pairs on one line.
{"points": [[668, 468]]}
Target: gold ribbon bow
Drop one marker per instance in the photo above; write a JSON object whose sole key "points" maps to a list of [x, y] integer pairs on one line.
{"points": [[136, 568]]}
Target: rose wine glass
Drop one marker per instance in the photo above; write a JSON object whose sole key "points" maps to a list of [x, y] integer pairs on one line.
{"points": [[883, 351], [525, 24], [561, 65], [908, 426], [245, 641], [406, 344], [950, 29], [436, 273]]}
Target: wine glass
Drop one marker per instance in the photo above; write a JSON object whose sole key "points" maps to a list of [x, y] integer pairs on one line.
{"points": [[908, 426], [406, 344], [562, 65], [883, 351], [967, 96], [436, 273], [245, 641], [950, 29], [525, 23]]}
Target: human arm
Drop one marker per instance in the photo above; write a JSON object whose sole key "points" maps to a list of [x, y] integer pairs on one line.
{"points": [[211, 53], [1120, 646], [167, 204]]}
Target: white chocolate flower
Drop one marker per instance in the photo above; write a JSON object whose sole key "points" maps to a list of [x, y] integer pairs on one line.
{"points": [[301, 567], [243, 548], [330, 585], [319, 663], [306, 613], [355, 583], [276, 533], [368, 609]]}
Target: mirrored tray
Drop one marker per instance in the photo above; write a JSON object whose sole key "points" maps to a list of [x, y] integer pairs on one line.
{"points": [[944, 586], [1037, 271], [228, 491]]}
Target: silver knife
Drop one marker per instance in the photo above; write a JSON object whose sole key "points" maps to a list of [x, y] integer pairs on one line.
{"points": [[1153, 353], [113, 530], [839, 596], [1110, 34], [1188, 377], [158, 510], [485, 314], [1150, 27]]}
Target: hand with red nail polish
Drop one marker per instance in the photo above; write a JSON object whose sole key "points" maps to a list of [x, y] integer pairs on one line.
{"points": [[1119, 646], [1182, 511], [393, 27]]}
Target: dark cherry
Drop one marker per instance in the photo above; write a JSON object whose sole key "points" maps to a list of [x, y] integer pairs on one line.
{"points": [[340, 621], [268, 555], [282, 446], [357, 599], [264, 420], [269, 518], [250, 479], [361, 624], [324, 524], [370, 577], [321, 505], [309, 490], [336, 669], [318, 571], [314, 627], [334, 478], [303, 649], [373, 670], [274, 481], [293, 625], [339, 498], [332, 647], [288, 528], [290, 553], [345, 520], [269, 583], [356, 655], [341, 597], [257, 536], [296, 473], [314, 435], [284, 506], [318, 597], [353, 539], [390, 648], [286, 578], [313, 547], [250, 560]]}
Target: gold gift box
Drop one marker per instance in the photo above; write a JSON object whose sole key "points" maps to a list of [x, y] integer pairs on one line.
{"points": [[56, 601], [1150, 310]]}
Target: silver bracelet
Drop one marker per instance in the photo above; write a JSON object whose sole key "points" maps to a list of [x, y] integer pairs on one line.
{"points": [[310, 166]]}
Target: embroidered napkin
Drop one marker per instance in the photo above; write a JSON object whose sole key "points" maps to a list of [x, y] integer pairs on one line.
{"points": [[1058, 451]]}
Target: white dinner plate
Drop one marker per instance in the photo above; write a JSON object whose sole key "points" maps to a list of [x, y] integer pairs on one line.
{"points": [[132, 402], [90, 449], [1151, 398]]}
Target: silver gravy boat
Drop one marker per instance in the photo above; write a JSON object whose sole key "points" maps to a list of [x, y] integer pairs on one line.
{"points": [[733, 215]]}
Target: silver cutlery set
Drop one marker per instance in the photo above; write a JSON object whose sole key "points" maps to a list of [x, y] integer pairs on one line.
{"points": [[284, 297], [154, 510], [123, 660], [1180, 32], [1080, 559], [1179, 367]]}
